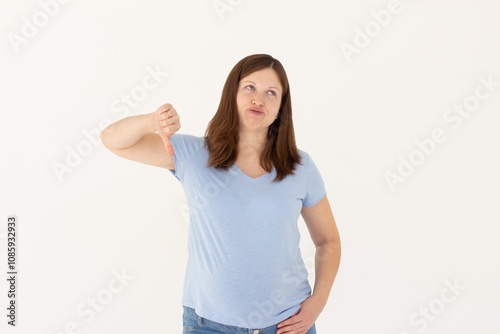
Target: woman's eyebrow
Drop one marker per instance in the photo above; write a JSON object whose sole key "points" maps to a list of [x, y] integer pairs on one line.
{"points": [[255, 83]]}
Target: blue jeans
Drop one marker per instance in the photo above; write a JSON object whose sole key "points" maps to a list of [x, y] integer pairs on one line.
{"points": [[192, 323]]}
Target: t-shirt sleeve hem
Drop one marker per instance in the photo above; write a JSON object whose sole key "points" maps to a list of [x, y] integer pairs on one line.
{"points": [[175, 172], [307, 205]]}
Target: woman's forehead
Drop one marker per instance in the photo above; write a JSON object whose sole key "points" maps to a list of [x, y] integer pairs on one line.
{"points": [[265, 77]]}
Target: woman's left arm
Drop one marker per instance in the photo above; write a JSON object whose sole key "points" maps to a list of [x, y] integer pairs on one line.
{"points": [[325, 236], [323, 230]]}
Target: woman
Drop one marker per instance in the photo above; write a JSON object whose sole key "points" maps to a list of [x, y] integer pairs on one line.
{"points": [[246, 183]]}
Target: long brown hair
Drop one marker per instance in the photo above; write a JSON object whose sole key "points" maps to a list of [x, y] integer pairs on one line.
{"points": [[222, 135]]}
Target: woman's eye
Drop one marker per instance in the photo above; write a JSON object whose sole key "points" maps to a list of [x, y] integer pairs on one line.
{"points": [[270, 92]]}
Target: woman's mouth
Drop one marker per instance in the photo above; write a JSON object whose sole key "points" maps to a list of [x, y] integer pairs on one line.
{"points": [[256, 111]]}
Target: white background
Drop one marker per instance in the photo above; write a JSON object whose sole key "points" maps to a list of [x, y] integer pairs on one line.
{"points": [[356, 115]]}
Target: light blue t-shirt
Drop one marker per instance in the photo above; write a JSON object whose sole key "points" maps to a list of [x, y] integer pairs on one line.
{"points": [[244, 268]]}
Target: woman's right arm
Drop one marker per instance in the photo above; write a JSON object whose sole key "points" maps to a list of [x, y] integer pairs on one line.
{"points": [[134, 137]]}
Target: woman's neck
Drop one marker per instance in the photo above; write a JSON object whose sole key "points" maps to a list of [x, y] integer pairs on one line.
{"points": [[251, 144]]}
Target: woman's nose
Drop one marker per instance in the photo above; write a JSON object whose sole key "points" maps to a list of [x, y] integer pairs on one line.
{"points": [[258, 101]]}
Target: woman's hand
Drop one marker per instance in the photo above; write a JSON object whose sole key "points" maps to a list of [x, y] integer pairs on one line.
{"points": [[303, 319], [167, 122]]}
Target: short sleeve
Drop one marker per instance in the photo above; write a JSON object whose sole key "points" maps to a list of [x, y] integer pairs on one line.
{"points": [[315, 187], [185, 147]]}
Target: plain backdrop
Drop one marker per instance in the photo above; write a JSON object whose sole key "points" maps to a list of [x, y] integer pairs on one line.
{"points": [[370, 82]]}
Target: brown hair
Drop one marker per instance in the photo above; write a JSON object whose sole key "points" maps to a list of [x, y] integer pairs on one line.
{"points": [[221, 135]]}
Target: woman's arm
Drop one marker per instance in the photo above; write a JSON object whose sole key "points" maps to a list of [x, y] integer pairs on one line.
{"points": [[128, 131], [324, 233], [134, 137]]}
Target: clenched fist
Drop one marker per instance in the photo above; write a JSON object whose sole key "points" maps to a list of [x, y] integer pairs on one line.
{"points": [[166, 122]]}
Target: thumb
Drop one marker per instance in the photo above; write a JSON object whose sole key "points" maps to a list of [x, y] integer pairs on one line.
{"points": [[295, 313], [168, 145]]}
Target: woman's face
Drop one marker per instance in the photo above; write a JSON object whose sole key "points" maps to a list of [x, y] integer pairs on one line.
{"points": [[258, 100]]}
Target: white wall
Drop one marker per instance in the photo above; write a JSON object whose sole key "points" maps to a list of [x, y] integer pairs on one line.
{"points": [[360, 103]]}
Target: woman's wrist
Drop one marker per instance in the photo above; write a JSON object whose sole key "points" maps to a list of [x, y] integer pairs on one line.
{"points": [[152, 122]]}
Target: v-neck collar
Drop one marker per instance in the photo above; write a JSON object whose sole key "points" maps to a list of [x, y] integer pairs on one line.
{"points": [[252, 179]]}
